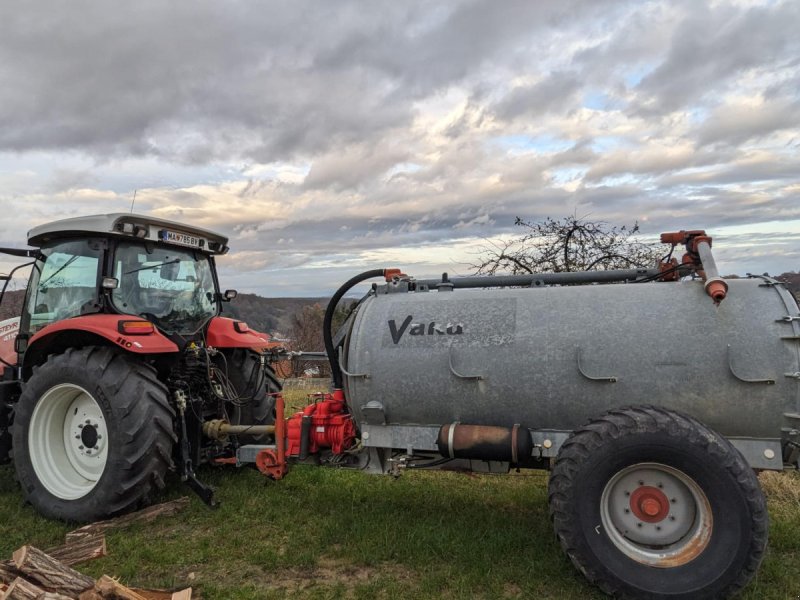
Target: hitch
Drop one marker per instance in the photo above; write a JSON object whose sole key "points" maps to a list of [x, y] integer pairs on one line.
{"points": [[205, 492]]}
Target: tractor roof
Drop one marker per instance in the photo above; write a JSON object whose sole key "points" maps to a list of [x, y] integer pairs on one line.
{"points": [[129, 225]]}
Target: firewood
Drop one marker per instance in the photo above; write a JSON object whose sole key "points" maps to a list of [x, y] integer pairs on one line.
{"points": [[50, 573], [53, 596], [153, 594], [90, 595], [142, 516], [163, 594], [80, 550], [8, 573], [110, 588], [20, 589], [74, 553]]}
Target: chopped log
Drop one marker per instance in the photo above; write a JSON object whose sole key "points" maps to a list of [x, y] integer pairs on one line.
{"points": [[20, 589], [53, 596], [142, 516], [153, 594], [183, 595], [90, 595], [80, 550], [111, 588], [50, 573], [8, 573]]}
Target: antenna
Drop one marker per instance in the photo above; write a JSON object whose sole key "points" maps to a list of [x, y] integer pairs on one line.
{"points": [[134, 199]]}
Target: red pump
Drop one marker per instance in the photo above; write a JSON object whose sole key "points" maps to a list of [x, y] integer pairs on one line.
{"points": [[324, 424]]}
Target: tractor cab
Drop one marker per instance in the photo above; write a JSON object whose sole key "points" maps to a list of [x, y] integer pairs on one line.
{"points": [[123, 264]]}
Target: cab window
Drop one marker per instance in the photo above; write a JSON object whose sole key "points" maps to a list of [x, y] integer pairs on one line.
{"points": [[63, 283]]}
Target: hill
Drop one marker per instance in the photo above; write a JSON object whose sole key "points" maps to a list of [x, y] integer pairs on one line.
{"points": [[270, 315]]}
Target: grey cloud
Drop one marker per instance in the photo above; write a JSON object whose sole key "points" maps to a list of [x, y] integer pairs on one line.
{"points": [[737, 124], [713, 44], [202, 81], [552, 93]]}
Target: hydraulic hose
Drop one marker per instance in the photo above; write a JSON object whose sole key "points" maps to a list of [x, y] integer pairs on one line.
{"points": [[327, 323]]}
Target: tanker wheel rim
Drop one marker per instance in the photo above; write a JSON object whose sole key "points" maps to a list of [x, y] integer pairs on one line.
{"points": [[656, 515], [68, 441]]}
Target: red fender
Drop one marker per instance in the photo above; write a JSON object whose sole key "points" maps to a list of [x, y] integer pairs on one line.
{"points": [[108, 326], [229, 333]]}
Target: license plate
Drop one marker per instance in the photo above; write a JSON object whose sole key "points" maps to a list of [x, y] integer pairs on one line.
{"points": [[182, 239]]}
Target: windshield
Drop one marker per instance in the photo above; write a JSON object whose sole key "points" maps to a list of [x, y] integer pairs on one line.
{"points": [[172, 287]]}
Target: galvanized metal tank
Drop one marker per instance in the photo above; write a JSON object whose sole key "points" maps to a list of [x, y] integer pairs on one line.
{"points": [[554, 357]]}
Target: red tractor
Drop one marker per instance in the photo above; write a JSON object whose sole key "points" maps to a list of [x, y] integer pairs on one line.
{"points": [[118, 358]]}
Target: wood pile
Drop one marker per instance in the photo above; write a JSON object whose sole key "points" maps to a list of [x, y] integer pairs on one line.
{"points": [[33, 574]]}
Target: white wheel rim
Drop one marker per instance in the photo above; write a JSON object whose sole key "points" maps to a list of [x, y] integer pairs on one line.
{"points": [[677, 527], [68, 441]]}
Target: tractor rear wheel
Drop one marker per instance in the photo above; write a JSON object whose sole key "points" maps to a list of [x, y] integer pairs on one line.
{"points": [[651, 503], [256, 384], [93, 435]]}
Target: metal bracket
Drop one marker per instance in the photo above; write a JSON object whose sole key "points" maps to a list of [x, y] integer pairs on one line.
{"points": [[795, 375], [787, 319], [768, 281], [456, 373], [609, 379], [745, 379], [348, 373]]}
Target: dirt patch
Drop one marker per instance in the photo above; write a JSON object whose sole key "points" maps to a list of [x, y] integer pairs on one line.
{"points": [[335, 572]]}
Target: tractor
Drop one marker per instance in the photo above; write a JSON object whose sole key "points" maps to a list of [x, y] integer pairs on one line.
{"points": [[118, 358]]}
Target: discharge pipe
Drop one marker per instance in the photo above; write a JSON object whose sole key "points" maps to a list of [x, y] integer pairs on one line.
{"points": [[715, 285]]}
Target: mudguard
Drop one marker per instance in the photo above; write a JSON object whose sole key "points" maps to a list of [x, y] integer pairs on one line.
{"points": [[108, 327]]}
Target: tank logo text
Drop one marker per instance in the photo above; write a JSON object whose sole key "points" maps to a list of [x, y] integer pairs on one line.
{"points": [[415, 329]]}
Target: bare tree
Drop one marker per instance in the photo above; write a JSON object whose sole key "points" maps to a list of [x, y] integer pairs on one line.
{"points": [[306, 335], [568, 244]]}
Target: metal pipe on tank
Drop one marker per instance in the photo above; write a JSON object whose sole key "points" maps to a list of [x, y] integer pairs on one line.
{"points": [[537, 279], [715, 285]]}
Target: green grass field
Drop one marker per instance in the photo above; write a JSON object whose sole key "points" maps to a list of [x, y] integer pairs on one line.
{"points": [[325, 533]]}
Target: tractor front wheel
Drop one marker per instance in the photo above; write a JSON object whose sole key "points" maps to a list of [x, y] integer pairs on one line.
{"points": [[93, 435]]}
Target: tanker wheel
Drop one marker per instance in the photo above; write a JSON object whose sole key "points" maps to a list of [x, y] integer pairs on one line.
{"points": [[258, 389], [93, 435], [650, 503]]}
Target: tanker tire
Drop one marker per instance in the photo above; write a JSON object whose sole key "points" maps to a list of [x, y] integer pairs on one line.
{"points": [[124, 400], [242, 369], [592, 466]]}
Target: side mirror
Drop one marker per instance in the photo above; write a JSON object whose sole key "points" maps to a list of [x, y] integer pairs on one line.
{"points": [[229, 295]]}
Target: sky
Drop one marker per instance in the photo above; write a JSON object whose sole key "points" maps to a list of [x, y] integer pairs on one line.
{"points": [[328, 138]]}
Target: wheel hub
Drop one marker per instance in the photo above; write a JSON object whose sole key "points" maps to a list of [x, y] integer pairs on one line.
{"points": [[656, 514], [649, 504]]}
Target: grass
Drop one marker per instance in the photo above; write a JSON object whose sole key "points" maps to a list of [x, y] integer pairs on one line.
{"points": [[324, 533]]}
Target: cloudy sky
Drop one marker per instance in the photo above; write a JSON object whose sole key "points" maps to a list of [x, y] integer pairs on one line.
{"points": [[326, 138]]}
